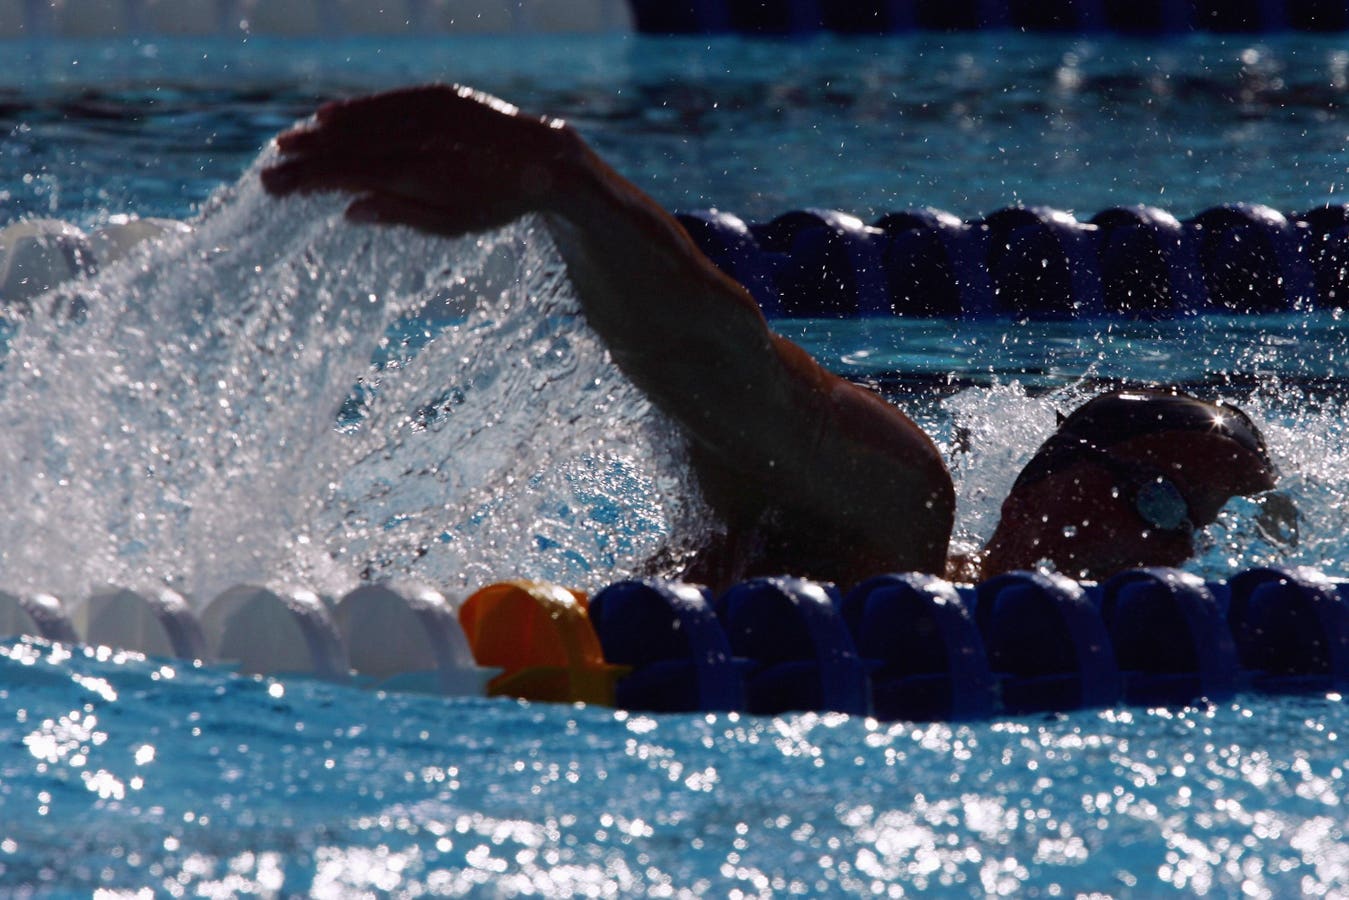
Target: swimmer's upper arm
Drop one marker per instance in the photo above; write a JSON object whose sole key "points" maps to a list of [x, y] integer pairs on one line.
{"points": [[697, 343]]}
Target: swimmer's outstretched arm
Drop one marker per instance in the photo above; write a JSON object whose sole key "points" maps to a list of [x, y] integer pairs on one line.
{"points": [[818, 470]]}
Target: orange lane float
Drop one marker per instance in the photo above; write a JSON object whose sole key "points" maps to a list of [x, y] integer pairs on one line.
{"points": [[541, 636]]}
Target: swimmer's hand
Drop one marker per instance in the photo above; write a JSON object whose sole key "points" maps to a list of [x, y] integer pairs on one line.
{"points": [[446, 160]]}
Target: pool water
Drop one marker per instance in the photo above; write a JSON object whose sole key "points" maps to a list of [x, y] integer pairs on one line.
{"points": [[127, 775], [968, 122], [215, 417]]}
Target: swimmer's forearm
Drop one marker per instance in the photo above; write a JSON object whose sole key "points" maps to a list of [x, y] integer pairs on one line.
{"points": [[595, 196]]}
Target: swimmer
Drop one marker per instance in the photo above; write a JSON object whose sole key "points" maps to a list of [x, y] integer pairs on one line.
{"points": [[809, 473]]}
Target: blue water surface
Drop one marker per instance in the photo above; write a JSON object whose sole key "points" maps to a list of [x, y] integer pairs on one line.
{"points": [[965, 122], [127, 774], [139, 777]]}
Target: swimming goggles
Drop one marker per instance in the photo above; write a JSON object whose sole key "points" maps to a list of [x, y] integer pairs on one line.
{"points": [[1154, 497]]}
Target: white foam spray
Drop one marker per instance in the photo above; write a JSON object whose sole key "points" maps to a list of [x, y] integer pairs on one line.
{"points": [[187, 429]]}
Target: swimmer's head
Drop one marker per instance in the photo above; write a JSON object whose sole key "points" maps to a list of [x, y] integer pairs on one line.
{"points": [[1125, 481]]}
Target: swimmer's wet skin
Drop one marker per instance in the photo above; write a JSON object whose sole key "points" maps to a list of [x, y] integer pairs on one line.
{"points": [[809, 473]]}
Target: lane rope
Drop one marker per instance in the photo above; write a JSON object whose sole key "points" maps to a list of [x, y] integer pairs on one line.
{"points": [[902, 646], [1035, 262]]}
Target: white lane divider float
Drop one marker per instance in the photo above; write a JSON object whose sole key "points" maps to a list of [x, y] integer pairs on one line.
{"points": [[157, 623], [37, 255], [404, 637]]}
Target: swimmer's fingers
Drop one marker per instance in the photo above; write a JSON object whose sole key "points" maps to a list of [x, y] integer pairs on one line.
{"points": [[430, 172], [437, 170], [302, 139], [434, 175], [364, 120], [414, 118], [446, 160], [327, 172], [436, 110], [441, 199], [446, 189]]}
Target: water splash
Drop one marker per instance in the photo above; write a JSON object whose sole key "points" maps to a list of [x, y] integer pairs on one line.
{"points": [[1310, 445], [990, 435], [281, 395]]}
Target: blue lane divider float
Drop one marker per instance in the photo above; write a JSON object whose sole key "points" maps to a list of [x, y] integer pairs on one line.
{"points": [[901, 646], [1170, 637], [934, 265], [1148, 266], [923, 652], [1291, 628], [1044, 263], [1047, 643], [669, 634], [798, 17], [798, 652], [1034, 262]]}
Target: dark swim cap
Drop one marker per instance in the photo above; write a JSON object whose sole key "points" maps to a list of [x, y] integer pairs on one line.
{"points": [[1088, 434]]}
